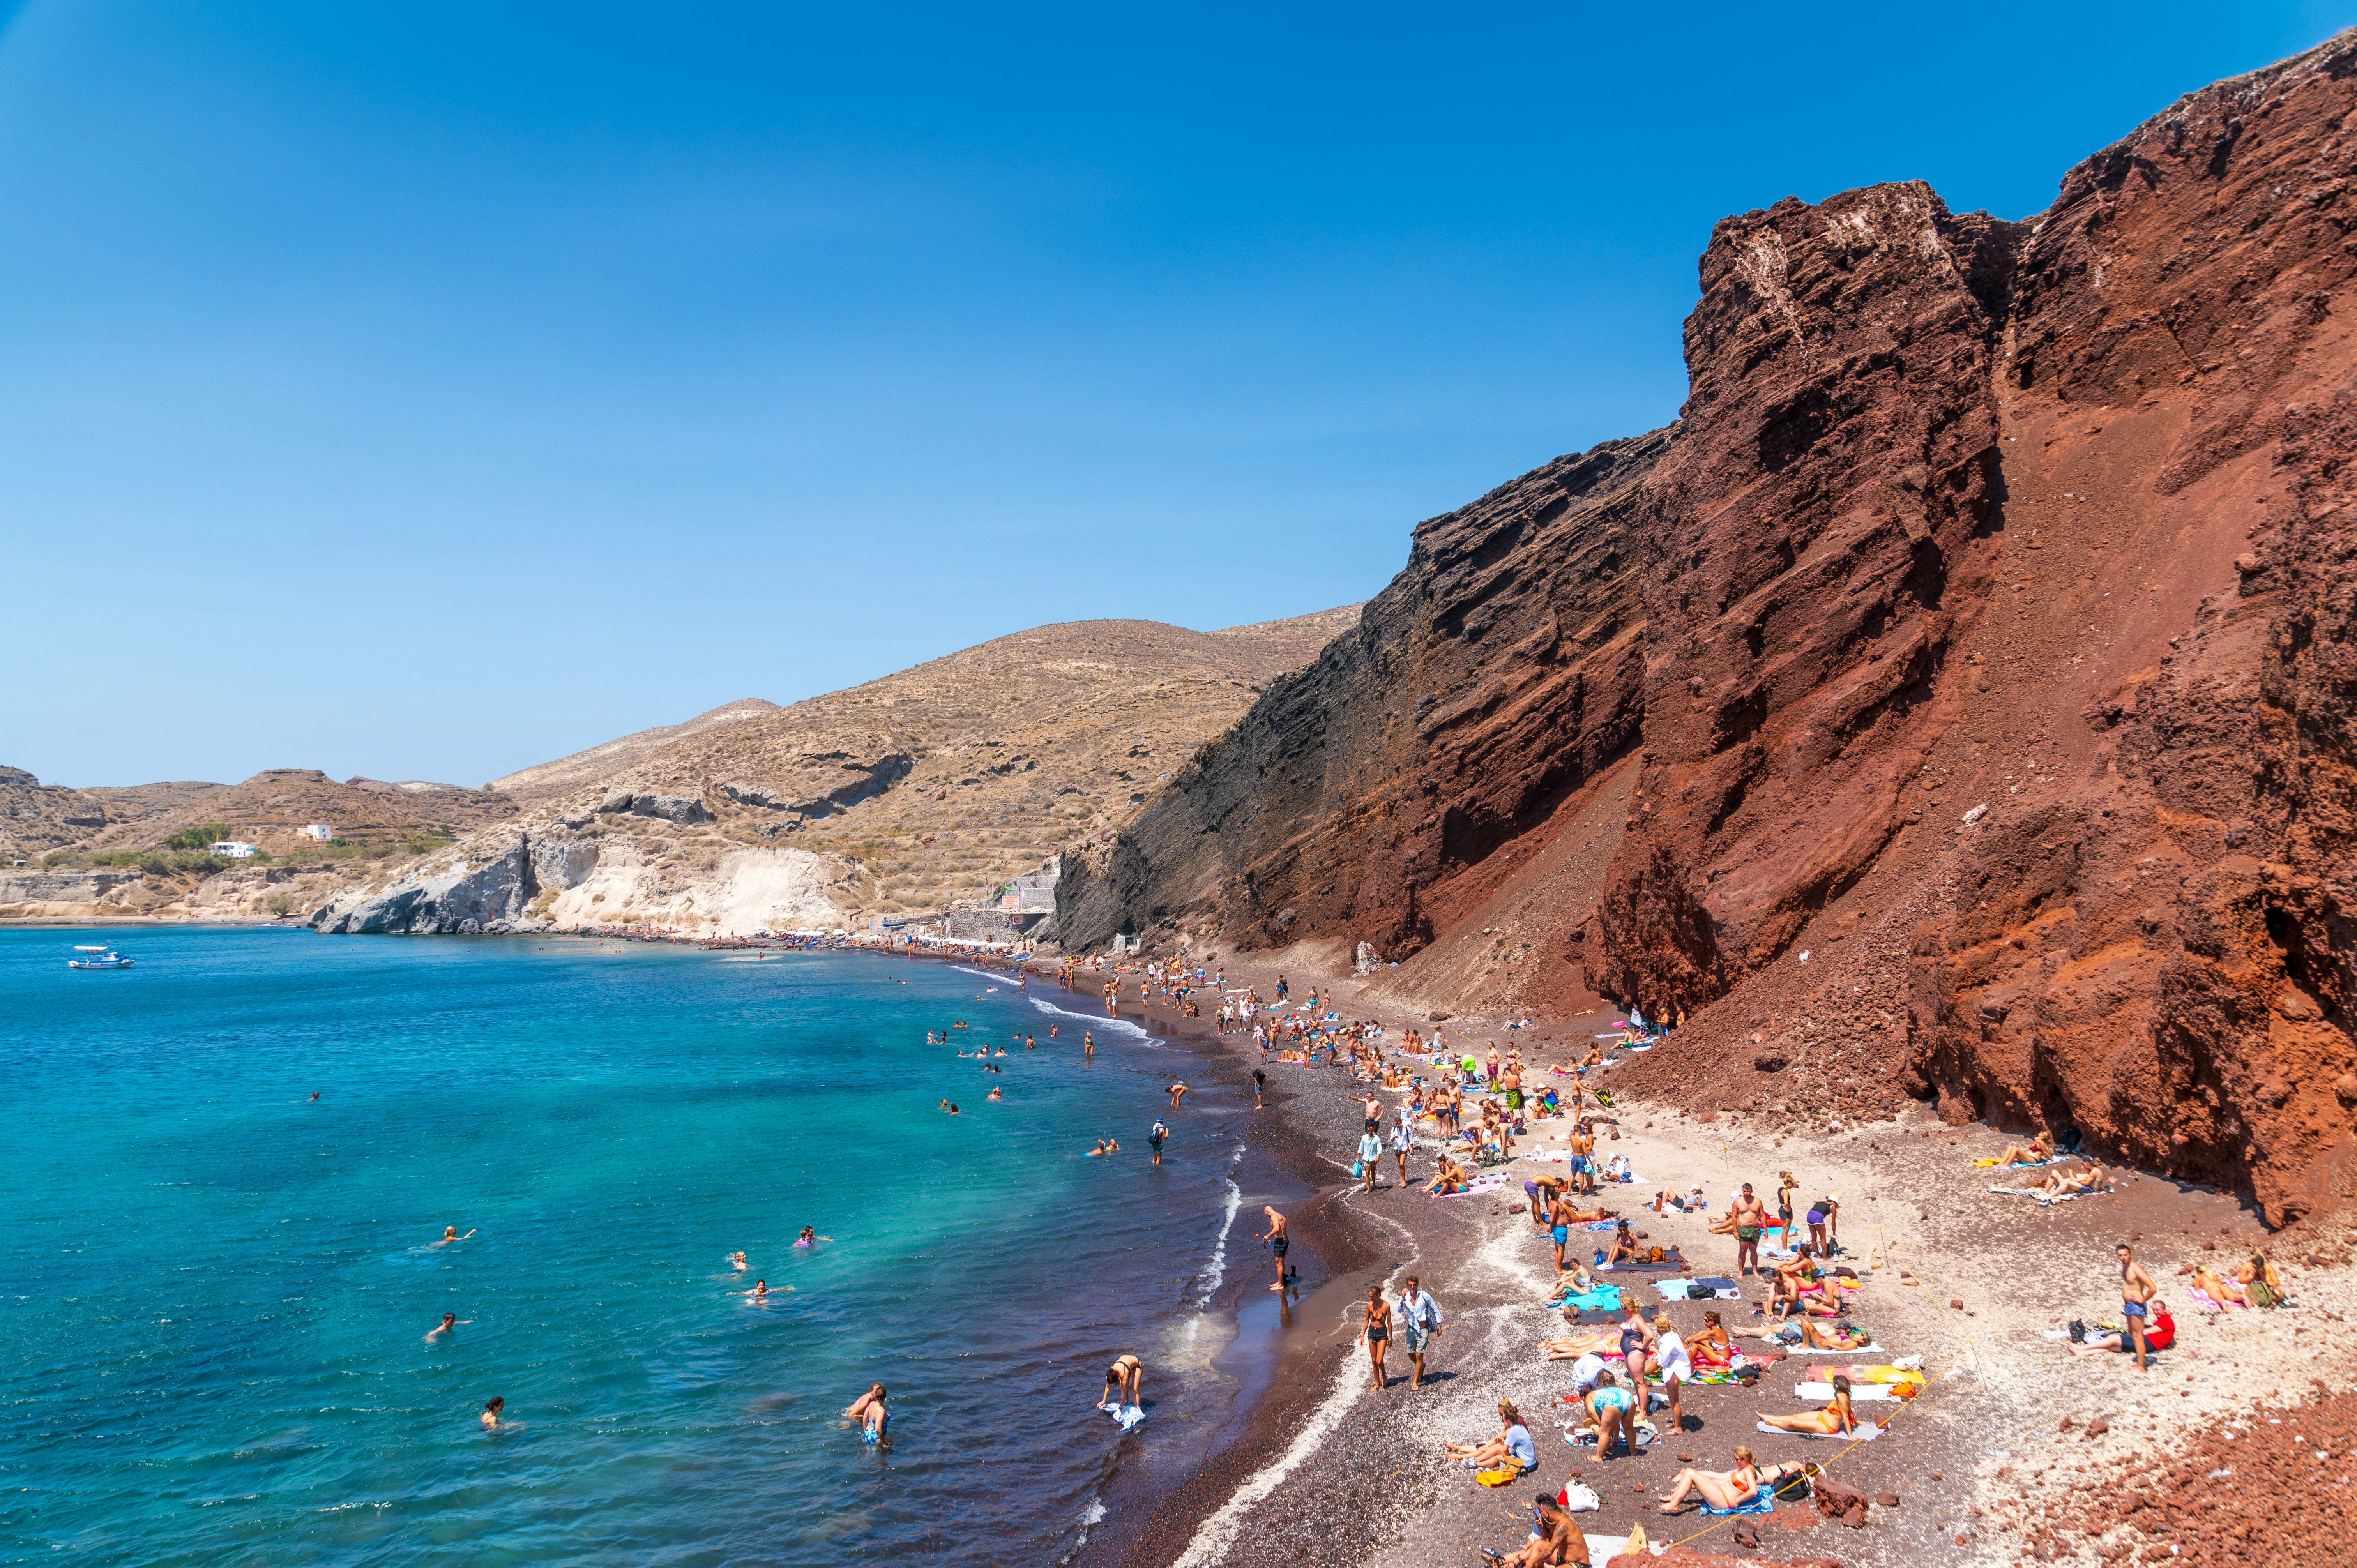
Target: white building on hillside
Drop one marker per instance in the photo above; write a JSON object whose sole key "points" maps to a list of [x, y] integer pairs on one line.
{"points": [[319, 830], [234, 850]]}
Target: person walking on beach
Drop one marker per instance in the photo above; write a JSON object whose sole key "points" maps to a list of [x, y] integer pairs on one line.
{"points": [[1419, 1317], [1376, 1334], [2136, 1291], [1277, 1242], [1260, 1087], [1087, 1044], [1154, 1139], [1402, 1140], [1748, 1215], [1371, 1156]]}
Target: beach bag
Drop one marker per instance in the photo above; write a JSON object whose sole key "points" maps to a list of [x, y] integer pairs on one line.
{"points": [[1578, 1497], [1498, 1478], [1358, 1170], [2265, 1289], [2078, 1331]]}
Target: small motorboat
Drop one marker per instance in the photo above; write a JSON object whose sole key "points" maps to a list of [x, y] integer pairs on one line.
{"points": [[102, 956]]}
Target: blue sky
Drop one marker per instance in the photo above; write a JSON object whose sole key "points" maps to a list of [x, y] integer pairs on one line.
{"points": [[427, 391]]}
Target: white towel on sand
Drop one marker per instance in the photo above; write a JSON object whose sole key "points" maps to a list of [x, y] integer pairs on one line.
{"points": [[1857, 1390]]}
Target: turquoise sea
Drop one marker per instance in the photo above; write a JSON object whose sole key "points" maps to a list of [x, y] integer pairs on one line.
{"points": [[218, 1288]]}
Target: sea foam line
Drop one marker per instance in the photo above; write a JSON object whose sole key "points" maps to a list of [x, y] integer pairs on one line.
{"points": [[1216, 1268], [1098, 1020]]}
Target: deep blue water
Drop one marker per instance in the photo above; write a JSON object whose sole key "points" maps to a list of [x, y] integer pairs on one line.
{"points": [[217, 1289]]}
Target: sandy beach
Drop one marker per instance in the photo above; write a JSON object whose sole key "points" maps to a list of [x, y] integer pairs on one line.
{"points": [[1992, 1462]]}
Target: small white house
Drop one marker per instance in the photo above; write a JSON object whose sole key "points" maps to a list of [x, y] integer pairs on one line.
{"points": [[233, 850], [319, 830]]}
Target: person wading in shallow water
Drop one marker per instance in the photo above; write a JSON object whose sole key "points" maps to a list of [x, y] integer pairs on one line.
{"points": [[1278, 1243]]}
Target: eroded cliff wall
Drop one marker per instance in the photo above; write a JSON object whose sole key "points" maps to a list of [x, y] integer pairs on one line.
{"points": [[1362, 796], [1990, 609]]}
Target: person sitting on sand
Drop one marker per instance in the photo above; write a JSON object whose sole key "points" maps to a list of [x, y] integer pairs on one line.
{"points": [[2061, 1183], [1446, 1178], [1722, 1489], [2264, 1286], [1511, 1448], [1610, 1408], [1624, 1248], [2041, 1150], [1711, 1348], [1834, 1418], [1556, 1542]]}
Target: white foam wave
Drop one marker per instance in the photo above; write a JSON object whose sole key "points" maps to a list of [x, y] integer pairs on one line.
{"points": [[1094, 1020], [1216, 1268]]}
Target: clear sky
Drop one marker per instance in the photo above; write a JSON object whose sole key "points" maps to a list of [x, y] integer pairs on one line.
{"points": [[427, 391]]}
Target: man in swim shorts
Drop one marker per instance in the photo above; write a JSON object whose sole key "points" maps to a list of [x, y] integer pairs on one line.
{"points": [[2136, 1291], [1155, 1137], [1751, 1215], [1276, 1238]]}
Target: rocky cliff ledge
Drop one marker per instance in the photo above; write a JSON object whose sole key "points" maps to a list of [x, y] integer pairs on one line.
{"points": [[1499, 671], [1992, 601]]}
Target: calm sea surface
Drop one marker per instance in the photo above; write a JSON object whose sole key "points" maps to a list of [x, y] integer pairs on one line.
{"points": [[217, 1289]]}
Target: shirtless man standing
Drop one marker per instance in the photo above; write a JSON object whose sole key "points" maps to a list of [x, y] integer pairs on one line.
{"points": [[2136, 1291], [1583, 1158], [1276, 1238], [1749, 1215]]}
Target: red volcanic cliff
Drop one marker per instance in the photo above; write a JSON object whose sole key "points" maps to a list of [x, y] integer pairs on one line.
{"points": [[1996, 599]]}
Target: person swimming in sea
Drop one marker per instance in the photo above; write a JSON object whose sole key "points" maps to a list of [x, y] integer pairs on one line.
{"points": [[737, 1262], [994, 1094], [870, 1412], [450, 1320], [760, 1290], [810, 1237], [450, 1234], [491, 1407], [314, 1094]]}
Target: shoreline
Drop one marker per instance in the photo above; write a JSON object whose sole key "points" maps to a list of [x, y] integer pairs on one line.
{"points": [[1322, 1459]]}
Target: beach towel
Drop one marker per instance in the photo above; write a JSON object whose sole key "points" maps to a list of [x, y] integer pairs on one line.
{"points": [[2025, 1165], [1867, 1432], [1694, 1290], [1666, 1266], [1601, 1225], [2206, 1302], [1856, 1392], [1762, 1502], [1851, 1351], [1717, 1281], [2046, 1200], [1608, 1299]]}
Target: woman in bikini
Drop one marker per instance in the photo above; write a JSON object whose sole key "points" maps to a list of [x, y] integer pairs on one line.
{"points": [[1722, 1489], [1712, 1350], [1835, 1419], [1624, 1248], [1376, 1334], [1608, 1406], [2218, 1288], [1834, 1335], [2041, 1150]]}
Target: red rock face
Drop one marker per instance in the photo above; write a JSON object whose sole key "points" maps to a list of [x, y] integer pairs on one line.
{"points": [[1809, 564], [1995, 607], [2134, 663], [1498, 673]]}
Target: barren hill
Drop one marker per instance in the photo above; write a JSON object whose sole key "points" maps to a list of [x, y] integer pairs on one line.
{"points": [[938, 784], [1992, 595]]}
